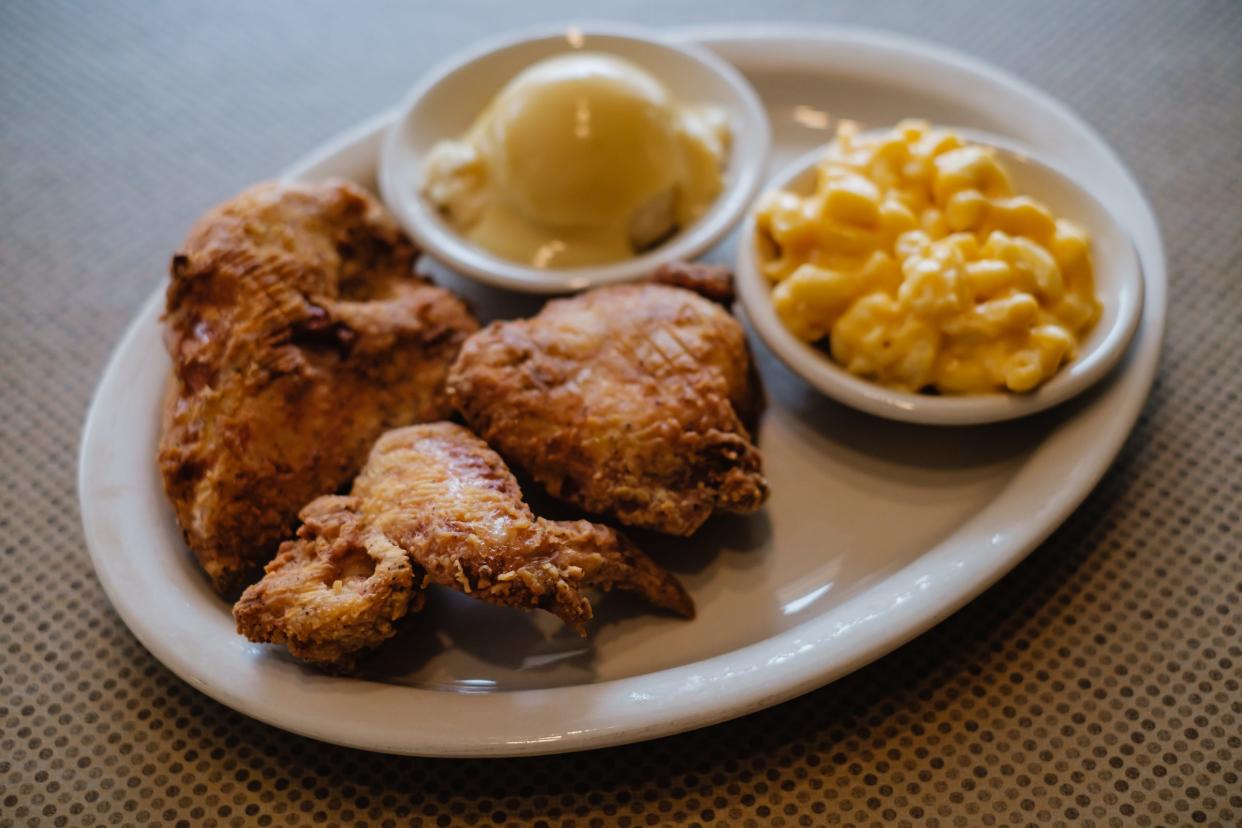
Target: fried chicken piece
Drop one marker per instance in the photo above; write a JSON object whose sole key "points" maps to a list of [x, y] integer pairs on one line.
{"points": [[710, 281], [441, 494], [334, 592], [298, 334], [437, 494], [630, 401]]}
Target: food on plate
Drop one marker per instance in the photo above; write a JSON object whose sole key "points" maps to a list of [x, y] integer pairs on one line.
{"points": [[581, 159], [434, 504], [334, 592], [714, 282], [919, 267], [632, 401], [298, 334]]}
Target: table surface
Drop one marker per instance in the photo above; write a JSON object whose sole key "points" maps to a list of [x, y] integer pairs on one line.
{"points": [[1097, 684]]}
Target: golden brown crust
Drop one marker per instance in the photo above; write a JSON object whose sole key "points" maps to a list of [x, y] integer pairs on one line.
{"points": [[440, 493], [333, 593], [298, 334], [629, 401], [433, 504], [710, 281]]}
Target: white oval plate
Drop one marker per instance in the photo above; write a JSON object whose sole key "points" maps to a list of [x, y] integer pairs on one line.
{"points": [[875, 530]]}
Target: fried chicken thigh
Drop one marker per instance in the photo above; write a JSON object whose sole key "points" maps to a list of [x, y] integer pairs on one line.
{"points": [[628, 401], [448, 503], [298, 334]]}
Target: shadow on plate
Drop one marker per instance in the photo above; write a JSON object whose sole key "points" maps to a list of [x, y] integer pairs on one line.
{"points": [[514, 641], [535, 642]]}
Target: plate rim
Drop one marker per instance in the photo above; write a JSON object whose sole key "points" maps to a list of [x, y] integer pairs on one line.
{"points": [[693, 692]]}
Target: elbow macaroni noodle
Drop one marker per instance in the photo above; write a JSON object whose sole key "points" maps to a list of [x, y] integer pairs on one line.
{"points": [[916, 262]]}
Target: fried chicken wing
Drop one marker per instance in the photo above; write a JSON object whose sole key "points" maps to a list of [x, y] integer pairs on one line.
{"points": [[334, 592], [629, 401], [440, 493], [434, 496], [298, 334]]}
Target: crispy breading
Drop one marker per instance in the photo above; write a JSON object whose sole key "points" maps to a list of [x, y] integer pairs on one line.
{"points": [[334, 592], [441, 494], [710, 281], [628, 401], [298, 334], [434, 500]]}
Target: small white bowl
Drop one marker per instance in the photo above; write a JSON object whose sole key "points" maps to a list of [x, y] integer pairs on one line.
{"points": [[1118, 283], [447, 100]]}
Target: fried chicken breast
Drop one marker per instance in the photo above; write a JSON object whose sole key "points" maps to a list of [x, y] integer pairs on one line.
{"points": [[628, 401], [298, 334], [434, 496]]}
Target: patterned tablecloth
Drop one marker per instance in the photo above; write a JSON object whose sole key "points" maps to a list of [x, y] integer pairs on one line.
{"points": [[1097, 684]]}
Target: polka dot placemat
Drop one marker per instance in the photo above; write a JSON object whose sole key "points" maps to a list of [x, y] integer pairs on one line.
{"points": [[1097, 684]]}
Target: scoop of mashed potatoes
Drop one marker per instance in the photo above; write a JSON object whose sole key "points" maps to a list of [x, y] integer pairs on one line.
{"points": [[581, 159]]}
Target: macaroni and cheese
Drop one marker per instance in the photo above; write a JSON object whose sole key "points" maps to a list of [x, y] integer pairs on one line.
{"points": [[922, 270]]}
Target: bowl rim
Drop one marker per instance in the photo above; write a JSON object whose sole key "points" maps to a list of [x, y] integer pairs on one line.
{"points": [[819, 369], [444, 244]]}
